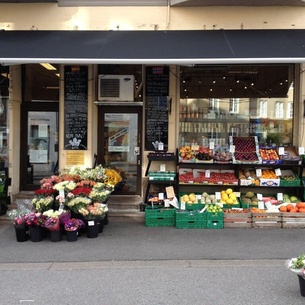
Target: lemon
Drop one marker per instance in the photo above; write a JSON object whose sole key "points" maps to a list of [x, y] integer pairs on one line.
{"points": [[229, 201], [229, 191], [224, 197]]}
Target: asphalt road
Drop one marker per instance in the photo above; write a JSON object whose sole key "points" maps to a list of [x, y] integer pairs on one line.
{"points": [[133, 264]]}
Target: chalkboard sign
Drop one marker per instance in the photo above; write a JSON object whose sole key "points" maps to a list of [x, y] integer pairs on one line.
{"points": [[76, 107], [156, 122], [157, 81]]}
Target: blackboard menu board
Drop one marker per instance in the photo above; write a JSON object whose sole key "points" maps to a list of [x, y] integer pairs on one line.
{"points": [[76, 107], [156, 122], [157, 81]]}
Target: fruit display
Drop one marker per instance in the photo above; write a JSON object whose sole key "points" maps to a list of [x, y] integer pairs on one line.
{"points": [[249, 199], [228, 197], [237, 211], [208, 199], [248, 176], [293, 208], [215, 177], [269, 155], [189, 198], [186, 154], [204, 154], [214, 208], [222, 154], [246, 150], [290, 156]]}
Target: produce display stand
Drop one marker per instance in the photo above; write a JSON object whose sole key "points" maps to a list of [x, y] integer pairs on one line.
{"points": [[237, 220], [266, 220], [293, 220], [159, 217]]}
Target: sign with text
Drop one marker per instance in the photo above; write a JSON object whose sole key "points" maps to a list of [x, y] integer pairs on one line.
{"points": [[76, 107]]}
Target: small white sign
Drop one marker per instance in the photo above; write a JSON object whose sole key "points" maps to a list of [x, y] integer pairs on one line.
{"points": [[161, 196], [90, 223], [217, 195], [232, 149], [258, 172], [280, 196], [260, 197], [162, 167], [207, 173], [278, 172], [211, 145], [301, 151], [268, 205], [261, 205], [281, 151]]}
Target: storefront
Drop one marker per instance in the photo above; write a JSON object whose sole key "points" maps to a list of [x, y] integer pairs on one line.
{"points": [[231, 76]]}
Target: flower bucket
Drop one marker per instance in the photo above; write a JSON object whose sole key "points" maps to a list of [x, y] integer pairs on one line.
{"points": [[302, 285], [71, 236], [92, 227], [21, 233], [55, 236], [36, 234]]}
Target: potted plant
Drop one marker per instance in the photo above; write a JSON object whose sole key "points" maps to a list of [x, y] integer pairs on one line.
{"points": [[93, 216], [297, 265], [35, 221], [21, 230], [71, 227]]}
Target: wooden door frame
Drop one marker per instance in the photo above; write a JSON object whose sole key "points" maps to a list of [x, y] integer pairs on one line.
{"points": [[101, 137], [25, 108]]}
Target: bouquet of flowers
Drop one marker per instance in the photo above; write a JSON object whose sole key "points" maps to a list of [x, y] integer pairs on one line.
{"points": [[94, 211], [42, 204], [101, 191], [18, 215], [33, 219], [74, 224], [297, 265], [52, 224], [77, 203]]}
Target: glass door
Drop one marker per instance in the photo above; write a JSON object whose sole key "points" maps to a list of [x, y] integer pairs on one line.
{"points": [[39, 149], [120, 145]]}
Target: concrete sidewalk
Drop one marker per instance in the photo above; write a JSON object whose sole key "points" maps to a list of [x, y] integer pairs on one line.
{"points": [[136, 242]]}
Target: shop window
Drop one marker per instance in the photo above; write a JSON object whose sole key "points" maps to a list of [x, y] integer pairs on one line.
{"points": [[234, 105], [263, 108], [240, 100], [279, 110]]}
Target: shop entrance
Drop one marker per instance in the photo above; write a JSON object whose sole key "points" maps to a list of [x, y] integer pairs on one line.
{"points": [[119, 145], [39, 143]]}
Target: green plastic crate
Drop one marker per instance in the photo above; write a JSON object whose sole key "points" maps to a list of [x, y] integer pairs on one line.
{"points": [[160, 217], [191, 224], [190, 215], [215, 224], [191, 220], [215, 216]]}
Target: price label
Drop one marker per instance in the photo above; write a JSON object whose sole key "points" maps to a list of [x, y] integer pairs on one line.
{"points": [[182, 205], [258, 172], [232, 149], [211, 145], [207, 173], [161, 196], [278, 172], [301, 151], [268, 205], [62, 194], [194, 147], [281, 151], [261, 205], [198, 197], [280, 196], [260, 197], [217, 195], [166, 203], [91, 223]]}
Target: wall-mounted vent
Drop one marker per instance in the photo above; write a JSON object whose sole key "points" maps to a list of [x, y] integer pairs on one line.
{"points": [[116, 88]]}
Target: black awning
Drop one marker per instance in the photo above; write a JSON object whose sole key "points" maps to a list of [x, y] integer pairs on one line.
{"points": [[153, 47]]}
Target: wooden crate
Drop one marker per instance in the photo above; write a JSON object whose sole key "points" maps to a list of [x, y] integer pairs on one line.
{"points": [[293, 220], [237, 220], [266, 220]]}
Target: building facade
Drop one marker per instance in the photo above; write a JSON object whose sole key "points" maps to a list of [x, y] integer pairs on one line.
{"points": [[242, 63]]}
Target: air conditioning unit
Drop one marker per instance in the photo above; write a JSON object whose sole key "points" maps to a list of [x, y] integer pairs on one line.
{"points": [[116, 88]]}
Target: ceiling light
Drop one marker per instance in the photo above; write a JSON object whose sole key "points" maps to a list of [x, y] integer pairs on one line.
{"points": [[48, 66]]}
